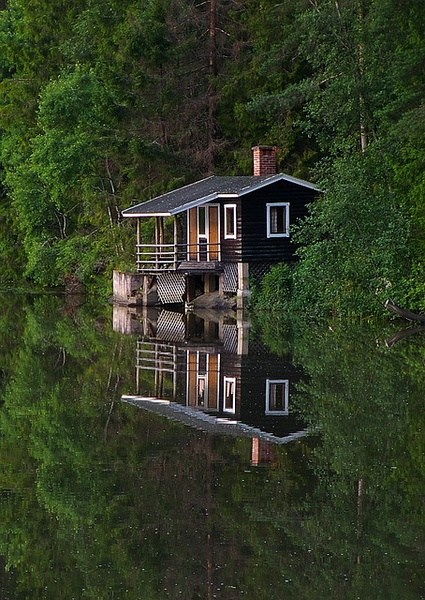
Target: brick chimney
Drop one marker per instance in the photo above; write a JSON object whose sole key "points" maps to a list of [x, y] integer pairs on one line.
{"points": [[265, 162]]}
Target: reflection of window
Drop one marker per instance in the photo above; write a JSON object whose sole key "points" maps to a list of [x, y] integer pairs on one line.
{"points": [[202, 363], [277, 396], [229, 402], [202, 388], [202, 375], [230, 221], [278, 219]]}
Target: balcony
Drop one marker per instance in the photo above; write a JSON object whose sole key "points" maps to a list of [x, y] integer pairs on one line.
{"points": [[157, 258]]}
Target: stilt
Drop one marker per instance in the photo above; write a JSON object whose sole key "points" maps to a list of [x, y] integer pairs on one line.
{"points": [[243, 292], [209, 283]]}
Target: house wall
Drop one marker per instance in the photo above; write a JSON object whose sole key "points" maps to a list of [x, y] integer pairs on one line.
{"points": [[256, 246], [231, 250], [251, 243], [250, 255], [250, 373]]}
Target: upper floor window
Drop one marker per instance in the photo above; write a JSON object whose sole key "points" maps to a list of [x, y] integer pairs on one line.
{"points": [[230, 221], [278, 219]]}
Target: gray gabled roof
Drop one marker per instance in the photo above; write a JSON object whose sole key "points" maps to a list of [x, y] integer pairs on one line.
{"points": [[206, 190]]}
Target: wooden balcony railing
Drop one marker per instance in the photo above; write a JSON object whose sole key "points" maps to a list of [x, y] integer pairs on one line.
{"points": [[167, 257]]}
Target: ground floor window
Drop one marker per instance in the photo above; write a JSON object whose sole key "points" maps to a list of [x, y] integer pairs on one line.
{"points": [[277, 397]]}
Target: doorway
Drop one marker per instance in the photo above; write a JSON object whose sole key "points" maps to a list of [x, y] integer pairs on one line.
{"points": [[204, 233]]}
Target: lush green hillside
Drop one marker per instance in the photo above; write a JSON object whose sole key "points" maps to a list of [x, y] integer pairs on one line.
{"points": [[105, 102]]}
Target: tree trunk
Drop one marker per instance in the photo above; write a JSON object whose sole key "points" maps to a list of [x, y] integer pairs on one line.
{"points": [[403, 334], [404, 313], [212, 70], [362, 105]]}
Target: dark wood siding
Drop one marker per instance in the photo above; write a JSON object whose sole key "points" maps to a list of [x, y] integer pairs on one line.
{"points": [[251, 243], [256, 246]]}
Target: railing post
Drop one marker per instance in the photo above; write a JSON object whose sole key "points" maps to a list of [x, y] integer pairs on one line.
{"points": [[175, 242], [161, 237], [156, 241], [137, 243]]}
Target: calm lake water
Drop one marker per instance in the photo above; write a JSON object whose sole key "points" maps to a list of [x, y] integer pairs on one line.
{"points": [[166, 456]]}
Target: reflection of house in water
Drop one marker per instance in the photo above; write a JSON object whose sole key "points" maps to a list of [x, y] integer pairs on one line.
{"points": [[206, 370]]}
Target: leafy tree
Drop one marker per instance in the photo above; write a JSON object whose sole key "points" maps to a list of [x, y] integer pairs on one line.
{"points": [[363, 241]]}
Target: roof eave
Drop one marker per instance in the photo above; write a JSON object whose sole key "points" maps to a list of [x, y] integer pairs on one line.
{"points": [[269, 181], [280, 177], [301, 182], [194, 203], [157, 214]]}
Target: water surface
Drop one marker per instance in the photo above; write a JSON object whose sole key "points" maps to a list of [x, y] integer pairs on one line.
{"points": [[152, 456]]}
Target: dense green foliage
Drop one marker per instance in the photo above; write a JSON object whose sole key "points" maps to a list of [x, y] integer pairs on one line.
{"points": [[107, 102], [130, 505], [364, 239]]}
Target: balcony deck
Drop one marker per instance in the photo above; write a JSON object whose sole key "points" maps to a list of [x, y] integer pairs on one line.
{"points": [[183, 258]]}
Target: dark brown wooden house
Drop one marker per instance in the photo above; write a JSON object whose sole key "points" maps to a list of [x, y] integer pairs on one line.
{"points": [[217, 233]]}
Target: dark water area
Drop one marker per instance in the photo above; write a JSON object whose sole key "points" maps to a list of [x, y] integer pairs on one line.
{"points": [[157, 455]]}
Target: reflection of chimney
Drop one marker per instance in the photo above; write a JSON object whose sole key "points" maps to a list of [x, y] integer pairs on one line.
{"points": [[262, 452], [265, 161]]}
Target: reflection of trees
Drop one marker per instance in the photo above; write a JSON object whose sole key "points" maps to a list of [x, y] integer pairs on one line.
{"points": [[10, 332], [363, 521], [101, 500]]}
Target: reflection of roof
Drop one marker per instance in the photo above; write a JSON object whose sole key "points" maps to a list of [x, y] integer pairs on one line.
{"points": [[206, 422], [206, 190]]}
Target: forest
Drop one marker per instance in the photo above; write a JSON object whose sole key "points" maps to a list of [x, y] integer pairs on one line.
{"points": [[104, 103]]}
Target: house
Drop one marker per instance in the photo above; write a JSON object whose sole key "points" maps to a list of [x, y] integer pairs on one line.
{"points": [[208, 372], [215, 235]]}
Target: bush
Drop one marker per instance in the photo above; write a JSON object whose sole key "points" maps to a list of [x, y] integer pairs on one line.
{"points": [[275, 290]]}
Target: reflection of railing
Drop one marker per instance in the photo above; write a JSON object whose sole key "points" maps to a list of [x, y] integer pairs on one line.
{"points": [[167, 257], [156, 357], [157, 367], [160, 360]]}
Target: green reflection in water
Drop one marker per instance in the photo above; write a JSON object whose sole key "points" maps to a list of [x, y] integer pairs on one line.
{"points": [[100, 500]]}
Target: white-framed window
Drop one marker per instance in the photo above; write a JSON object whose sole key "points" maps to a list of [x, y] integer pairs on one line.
{"points": [[277, 219], [277, 397], [230, 221], [229, 394]]}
